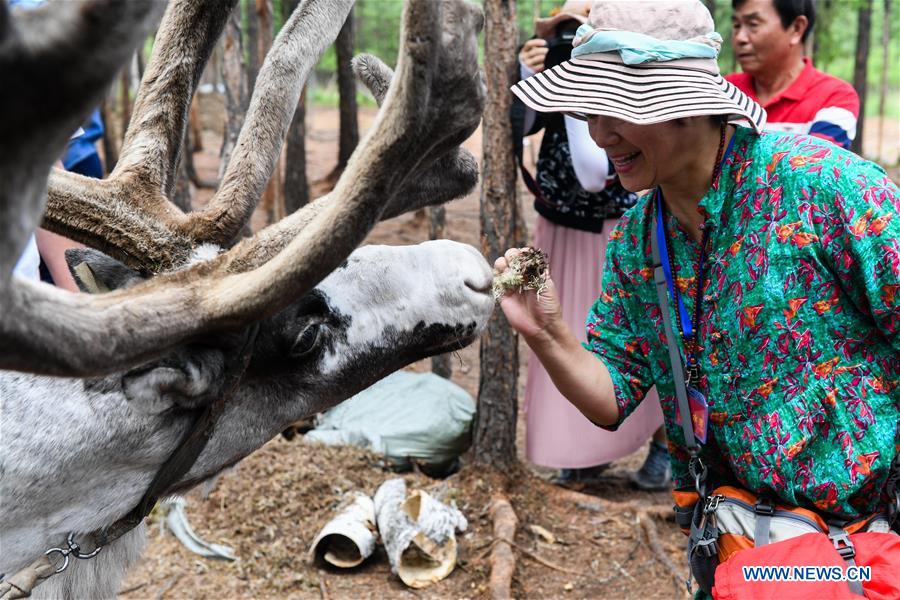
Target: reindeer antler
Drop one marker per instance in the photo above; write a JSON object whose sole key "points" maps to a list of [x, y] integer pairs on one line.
{"points": [[433, 103], [450, 176], [128, 215], [50, 93]]}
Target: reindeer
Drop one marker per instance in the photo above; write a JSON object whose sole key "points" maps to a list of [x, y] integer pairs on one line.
{"points": [[204, 342]]}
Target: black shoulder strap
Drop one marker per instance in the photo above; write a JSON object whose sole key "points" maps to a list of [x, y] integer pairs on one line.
{"points": [[892, 489], [517, 112]]}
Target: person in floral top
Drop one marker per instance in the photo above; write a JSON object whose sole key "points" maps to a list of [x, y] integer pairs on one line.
{"points": [[784, 254], [799, 326]]}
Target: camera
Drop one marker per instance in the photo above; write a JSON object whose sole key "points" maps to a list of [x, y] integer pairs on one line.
{"points": [[559, 48]]}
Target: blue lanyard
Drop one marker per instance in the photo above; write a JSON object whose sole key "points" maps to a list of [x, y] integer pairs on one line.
{"points": [[686, 323]]}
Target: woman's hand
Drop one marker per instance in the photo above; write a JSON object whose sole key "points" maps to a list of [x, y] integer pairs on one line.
{"points": [[529, 312], [533, 53], [579, 375]]}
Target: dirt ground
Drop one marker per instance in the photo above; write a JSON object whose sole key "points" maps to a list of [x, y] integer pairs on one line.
{"points": [[270, 508]]}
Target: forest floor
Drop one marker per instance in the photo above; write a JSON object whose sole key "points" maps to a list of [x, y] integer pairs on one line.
{"points": [[270, 508]]}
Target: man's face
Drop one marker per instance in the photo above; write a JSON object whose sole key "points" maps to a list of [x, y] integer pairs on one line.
{"points": [[761, 42]]}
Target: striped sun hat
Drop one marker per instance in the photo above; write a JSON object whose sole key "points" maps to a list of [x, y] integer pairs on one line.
{"points": [[642, 61]]}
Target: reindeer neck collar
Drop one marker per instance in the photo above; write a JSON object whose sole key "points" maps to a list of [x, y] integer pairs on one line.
{"points": [[169, 474]]}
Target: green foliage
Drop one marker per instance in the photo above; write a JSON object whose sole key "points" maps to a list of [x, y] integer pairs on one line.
{"points": [[327, 95], [835, 41], [378, 31], [525, 15], [277, 21]]}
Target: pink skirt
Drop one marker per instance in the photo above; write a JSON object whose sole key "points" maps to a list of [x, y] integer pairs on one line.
{"points": [[557, 435]]}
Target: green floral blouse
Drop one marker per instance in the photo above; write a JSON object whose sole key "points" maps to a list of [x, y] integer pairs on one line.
{"points": [[800, 325]]}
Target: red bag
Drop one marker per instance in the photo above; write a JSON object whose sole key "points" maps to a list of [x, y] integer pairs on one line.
{"points": [[878, 551]]}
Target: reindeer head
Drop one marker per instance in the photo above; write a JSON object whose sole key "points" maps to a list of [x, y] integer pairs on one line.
{"points": [[409, 159], [383, 308]]}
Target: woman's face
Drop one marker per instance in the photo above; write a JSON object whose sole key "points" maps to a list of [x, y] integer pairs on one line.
{"points": [[644, 156]]}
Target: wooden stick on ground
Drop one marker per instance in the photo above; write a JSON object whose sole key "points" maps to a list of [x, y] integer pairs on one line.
{"points": [[601, 505], [528, 553], [649, 526], [323, 586], [170, 583], [133, 588], [503, 560], [548, 564]]}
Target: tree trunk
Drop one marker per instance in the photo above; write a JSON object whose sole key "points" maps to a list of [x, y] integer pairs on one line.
{"points": [[193, 143], [252, 44], [181, 190], [195, 127], [296, 186], [272, 201], [860, 68], [213, 68], [344, 47], [139, 64], [820, 35], [349, 129], [264, 31], [886, 56], [110, 148], [236, 97], [495, 425], [437, 224], [125, 99]]}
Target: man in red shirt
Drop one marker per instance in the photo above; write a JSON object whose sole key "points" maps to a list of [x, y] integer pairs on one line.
{"points": [[768, 38]]}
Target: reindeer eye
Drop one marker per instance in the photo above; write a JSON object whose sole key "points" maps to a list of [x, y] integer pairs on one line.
{"points": [[306, 341]]}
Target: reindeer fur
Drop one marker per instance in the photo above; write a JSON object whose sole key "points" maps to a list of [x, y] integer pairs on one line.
{"points": [[99, 387], [78, 454]]}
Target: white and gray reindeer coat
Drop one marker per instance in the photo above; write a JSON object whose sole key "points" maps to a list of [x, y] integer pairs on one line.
{"points": [[98, 390]]}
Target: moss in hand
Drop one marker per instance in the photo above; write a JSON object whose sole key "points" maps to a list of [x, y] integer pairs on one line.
{"points": [[527, 271]]}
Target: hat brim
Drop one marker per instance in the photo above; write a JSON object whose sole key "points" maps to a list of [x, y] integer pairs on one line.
{"points": [[598, 84], [544, 28]]}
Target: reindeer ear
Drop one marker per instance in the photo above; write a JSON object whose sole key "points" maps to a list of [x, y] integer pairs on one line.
{"points": [[95, 272], [190, 377]]}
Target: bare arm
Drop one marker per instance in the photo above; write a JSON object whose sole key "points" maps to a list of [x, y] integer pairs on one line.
{"points": [[578, 374], [53, 250]]}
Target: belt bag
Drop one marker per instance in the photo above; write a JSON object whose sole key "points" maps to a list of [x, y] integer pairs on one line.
{"points": [[808, 568], [732, 520], [728, 520]]}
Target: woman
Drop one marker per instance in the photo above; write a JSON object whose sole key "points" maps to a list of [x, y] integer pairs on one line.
{"points": [[578, 200], [785, 261]]}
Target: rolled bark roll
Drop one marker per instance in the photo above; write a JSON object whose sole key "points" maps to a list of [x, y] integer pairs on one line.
{"points": [[419, 533], [349, 538]]}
